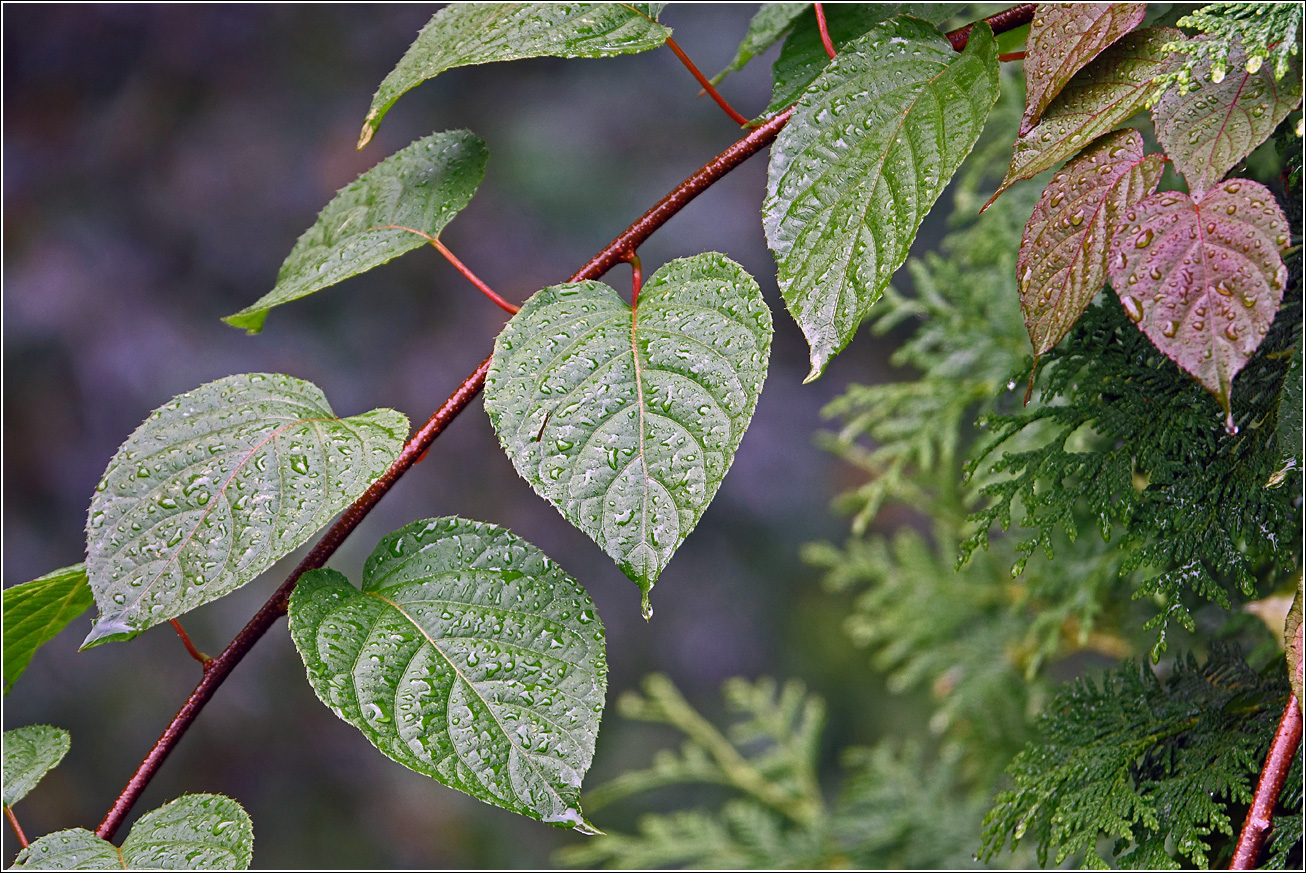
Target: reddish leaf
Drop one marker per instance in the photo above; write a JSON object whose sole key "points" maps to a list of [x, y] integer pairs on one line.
{"points": [[1062, 260], [1216, 125], [1062, 39], [1203, 278]]}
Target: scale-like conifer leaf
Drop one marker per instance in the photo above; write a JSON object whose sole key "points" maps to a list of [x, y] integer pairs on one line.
{"points": [[870, 147], [1062, 260], [215, 486], [480, 33], [627, 421], [468, 656], [371, 220], [30, 753], [768, 24], [35, 612], [1203, 278]]}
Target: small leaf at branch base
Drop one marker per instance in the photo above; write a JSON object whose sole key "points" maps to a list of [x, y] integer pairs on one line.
{"points": [[35, 612], [469, 657], [1203, 278], [30, 753]]}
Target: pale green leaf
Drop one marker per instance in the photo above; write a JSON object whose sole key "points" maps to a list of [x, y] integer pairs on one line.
{"points": [[468, 656], [218, 484], [768, 24], [371, 220], [35, 612], [30, 753], [868, 150], [627, 422], [71, 849], [480, 33]]}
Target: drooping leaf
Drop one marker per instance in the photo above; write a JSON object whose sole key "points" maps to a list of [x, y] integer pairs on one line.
{"points": [[768, 24], [35, 612], [1203, 278], [1062, 260], [1117, 84], [468, 656], [1062, 39], [868, 150], [627, 421], [1216, 124], [371, 220], [218, 484], [30, 753], [480, 33]]}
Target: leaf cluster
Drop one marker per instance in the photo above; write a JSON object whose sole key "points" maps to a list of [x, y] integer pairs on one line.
{"points": [[1267, 31]]}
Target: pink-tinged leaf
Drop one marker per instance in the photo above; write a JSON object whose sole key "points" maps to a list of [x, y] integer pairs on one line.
{"points": [[1063, 253], [1217, 124], [1203, 277], [1062, 39], [1117, 84]]}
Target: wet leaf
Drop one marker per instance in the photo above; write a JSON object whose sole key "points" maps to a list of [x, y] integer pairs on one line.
{"points": [[1217, 124], [1203, 278], [1292, 641], [1117, 84], [468, 656], [627, 422], [1062, 39], [1063, 252], [868, 150], [421, 187], [35, 612], [218, 484], [30, 753], [768, 24], [72, 849], [480, 33], [1289, 429]]}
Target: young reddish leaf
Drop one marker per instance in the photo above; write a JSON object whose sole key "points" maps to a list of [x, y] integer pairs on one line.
{"points": [[1062, 260], [1203, 278], [1062, 39], [1217, 124], [1116, 85]]}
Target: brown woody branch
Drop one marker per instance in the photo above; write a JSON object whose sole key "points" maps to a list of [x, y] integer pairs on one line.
{"points": [[1275, 773]]}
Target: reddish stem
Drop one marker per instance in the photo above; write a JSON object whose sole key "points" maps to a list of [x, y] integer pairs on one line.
{"points": [[195, 653], [1275, 772], [636, 278], [825, 29], [13, 823], [1008, 19], [707, 86], [459, 266], [1012, 56]]}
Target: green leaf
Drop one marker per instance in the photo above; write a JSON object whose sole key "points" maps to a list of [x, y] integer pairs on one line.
{"points": [[1203, 278], [218, 484], [868, 150], [1062, 260], [1289, 428], [30, 753], [371, 220], [1062, 39], [480, 33], [193, 832], [35, 612], [1117, 84], [627, 421], [468, 656], [769, 23]]}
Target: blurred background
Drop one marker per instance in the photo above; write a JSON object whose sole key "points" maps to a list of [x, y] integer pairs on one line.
{"points": [[159, 163]]}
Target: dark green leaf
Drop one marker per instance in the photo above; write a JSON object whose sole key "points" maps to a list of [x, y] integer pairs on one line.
{"points": [[371, 221], [1289, 429], [35, 612], [468, 656], [72, 849], [770, 23], [30, 753], [627, 422], [868, 150], [218, 484]]}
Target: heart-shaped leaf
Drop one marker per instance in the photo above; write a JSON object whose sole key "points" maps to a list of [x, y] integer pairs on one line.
{"points": [[480, 33], [1062, 39], [1217, 124], [371, 220], [627, 421], [35, 612], [1203, 278], [868, 150], [468, 656], [218, 484], [1063, 252], [30, 753], [768, 24]]}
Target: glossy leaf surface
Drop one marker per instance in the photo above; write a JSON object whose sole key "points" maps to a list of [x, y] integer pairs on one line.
{"points": [[866, 153], [769, 23], [1063, 252], [1062, 39], [627, 422], [35, 612], [30, 753], [218, 484], [1203, 278], [468, 656], [421, 187], [480, 33]]}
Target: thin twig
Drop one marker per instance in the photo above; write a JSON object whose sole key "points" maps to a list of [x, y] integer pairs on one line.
{"points": [[13, 823], [636, 278], [459, 266], [195, 653], [1011, 56], [707, 86], [824, 29], [1277, 764], [1008, 19]]}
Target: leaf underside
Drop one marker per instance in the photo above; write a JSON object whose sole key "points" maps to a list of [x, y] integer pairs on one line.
{"points": [[35, 612], [30, 753]]}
